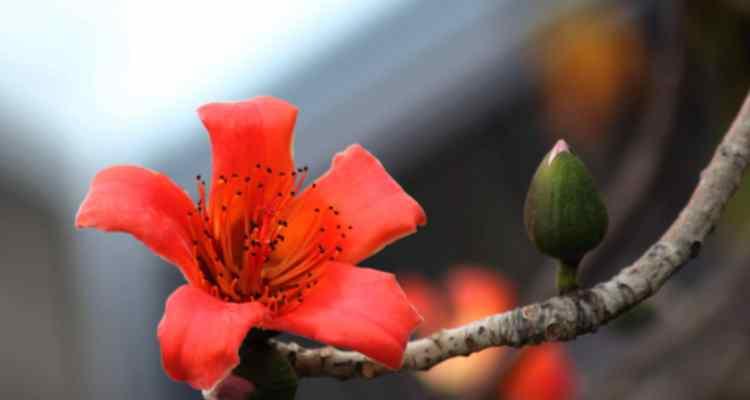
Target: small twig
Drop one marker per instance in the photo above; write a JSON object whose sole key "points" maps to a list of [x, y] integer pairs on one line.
{"points": [[566, 317]]}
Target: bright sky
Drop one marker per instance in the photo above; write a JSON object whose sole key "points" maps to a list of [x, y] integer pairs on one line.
{"points": [[95, 78]]}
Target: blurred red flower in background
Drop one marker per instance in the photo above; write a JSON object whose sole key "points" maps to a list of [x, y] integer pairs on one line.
{"points": [[590, 64], [471, 293], [261, 253], [542, 372]]}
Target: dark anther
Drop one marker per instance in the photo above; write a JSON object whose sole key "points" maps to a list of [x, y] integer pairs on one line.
{"points": [[239, 193], [234, 175], [260, 186], [338, 226], [314, 185], [335, 212], [349, 227], [330, 208], [280, 194], [198, 177], [247, 179], [257, 165], [282, 173], [305, 168], [322, 229], [321, 248], [269, 170], [339, 249], [292, 193], [317, 210]]}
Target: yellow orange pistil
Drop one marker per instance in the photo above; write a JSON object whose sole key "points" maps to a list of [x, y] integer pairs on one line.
{"points": [[241, 244]]}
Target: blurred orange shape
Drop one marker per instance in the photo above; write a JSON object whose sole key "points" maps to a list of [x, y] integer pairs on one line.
{"points": [[472, 293], [541, 373], [589, 64], [427, 300]]}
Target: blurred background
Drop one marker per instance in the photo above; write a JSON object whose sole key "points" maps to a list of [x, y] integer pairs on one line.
{"points": [[459, 101]]}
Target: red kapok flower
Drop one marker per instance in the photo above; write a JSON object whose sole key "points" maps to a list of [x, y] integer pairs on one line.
{"points": [[259, 252], [542, 372]]}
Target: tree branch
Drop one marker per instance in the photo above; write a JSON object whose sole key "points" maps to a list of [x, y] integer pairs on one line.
{"points": [[566, 317], [688, 325]]}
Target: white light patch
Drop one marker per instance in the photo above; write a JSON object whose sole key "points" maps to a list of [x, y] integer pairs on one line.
{"points": [[177, 55], [97, 83]]}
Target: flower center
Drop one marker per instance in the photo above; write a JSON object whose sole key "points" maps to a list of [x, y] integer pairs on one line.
{"points": [[257, 240]]}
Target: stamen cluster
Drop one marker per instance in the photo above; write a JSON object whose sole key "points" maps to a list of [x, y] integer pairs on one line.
{"points": [[240, 237]]}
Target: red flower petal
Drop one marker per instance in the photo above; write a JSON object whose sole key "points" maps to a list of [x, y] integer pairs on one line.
{"points": [[368, 199], [200, 335], [147, 205], [246, 133], [357, 308]]}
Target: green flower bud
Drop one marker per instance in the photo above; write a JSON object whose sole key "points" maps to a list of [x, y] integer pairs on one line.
{"points": [[564, 214]]}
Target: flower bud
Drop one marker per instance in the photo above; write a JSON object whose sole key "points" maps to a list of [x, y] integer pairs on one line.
{"points": [[564, 214]]}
